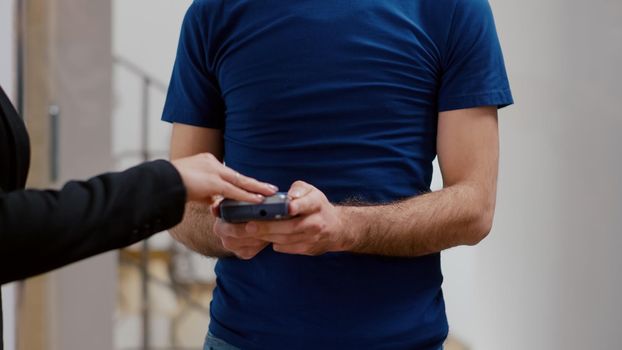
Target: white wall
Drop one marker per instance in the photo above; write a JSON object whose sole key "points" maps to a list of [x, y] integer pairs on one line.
{"points": [[149, 41], [145, 32], [7, 76], [549, 276], [7, 47], [9, 300]]}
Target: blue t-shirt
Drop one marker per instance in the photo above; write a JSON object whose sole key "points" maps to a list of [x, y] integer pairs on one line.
{"points": [[345, 95]]}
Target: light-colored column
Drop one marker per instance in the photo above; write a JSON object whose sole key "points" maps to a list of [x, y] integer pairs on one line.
{"points": [[7, 81], [82, 296], [32, 333]]}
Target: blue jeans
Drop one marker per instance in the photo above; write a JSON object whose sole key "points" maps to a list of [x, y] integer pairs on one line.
{"points": [[213, 343]]}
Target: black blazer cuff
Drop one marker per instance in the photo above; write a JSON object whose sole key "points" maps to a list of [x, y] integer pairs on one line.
{"points": [[171, 198]]}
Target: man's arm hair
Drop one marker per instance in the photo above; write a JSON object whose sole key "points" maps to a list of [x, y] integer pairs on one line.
{"points": [[459, 214], [196, 230]]}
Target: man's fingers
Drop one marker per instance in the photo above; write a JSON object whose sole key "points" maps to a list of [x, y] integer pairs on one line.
{"points": [[241, 243], [243, 247], [223, 230], [299, 249], [247, 183], [258, 228], [302, 229], [308, 204], [284, 239], [299, 189]]}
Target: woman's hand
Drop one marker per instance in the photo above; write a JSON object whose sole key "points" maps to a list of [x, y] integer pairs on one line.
{"points": [[207, 179]]}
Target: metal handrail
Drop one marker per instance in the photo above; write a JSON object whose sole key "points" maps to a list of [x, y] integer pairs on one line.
{"points": [[148, 81], [145, 154], [140, 72], [183, 293]]}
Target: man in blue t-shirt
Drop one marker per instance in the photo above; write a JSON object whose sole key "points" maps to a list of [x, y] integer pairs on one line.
{"points": [[346, 104]]}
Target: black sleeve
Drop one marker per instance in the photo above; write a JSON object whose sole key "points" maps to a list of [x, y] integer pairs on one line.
{"points": [[44, 230]]}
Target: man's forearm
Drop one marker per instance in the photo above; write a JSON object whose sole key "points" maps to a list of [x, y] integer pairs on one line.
{"points": [[196, 231], [457, 215]]}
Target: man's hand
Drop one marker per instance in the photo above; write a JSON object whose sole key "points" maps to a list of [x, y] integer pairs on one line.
{"points": [[235, 239], [316, 228]]}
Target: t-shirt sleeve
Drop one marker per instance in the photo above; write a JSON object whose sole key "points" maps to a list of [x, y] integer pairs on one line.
{"points": [[194, 97], [473, 71]]}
